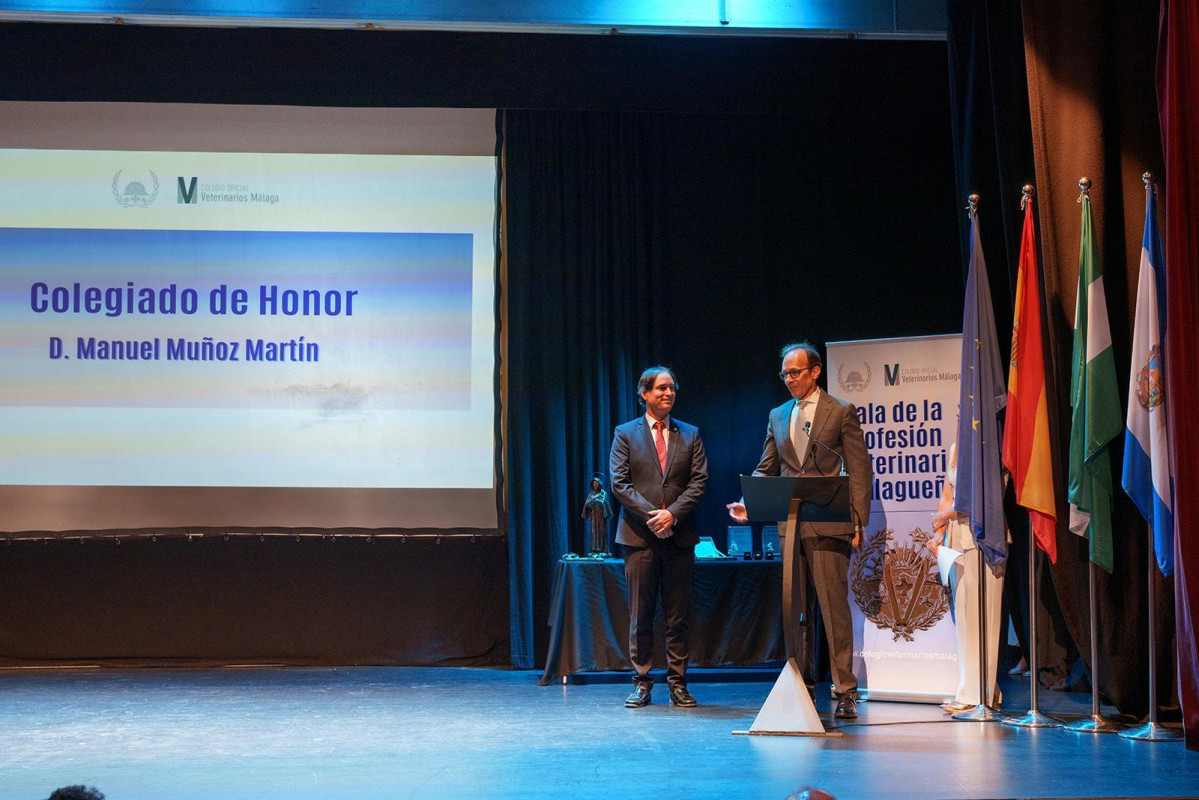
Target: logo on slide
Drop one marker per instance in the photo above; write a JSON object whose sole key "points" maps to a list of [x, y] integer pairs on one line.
{"points": [[187, 191], [134, 195]]}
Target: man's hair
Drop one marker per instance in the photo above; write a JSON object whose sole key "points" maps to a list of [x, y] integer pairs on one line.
{"points": [[77, 792], [807, 347], [649, 377]]}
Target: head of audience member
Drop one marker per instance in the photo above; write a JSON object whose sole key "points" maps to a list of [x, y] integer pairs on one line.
{"points": [[811, 793], [77, 792]]}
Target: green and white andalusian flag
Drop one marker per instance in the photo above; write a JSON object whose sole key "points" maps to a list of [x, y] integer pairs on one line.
{"points": [[1096, 418]]}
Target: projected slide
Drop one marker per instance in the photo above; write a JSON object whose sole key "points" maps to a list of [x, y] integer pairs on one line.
{"points": [[246, 320]]}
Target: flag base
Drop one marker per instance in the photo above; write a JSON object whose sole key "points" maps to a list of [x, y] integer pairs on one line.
{"points": [[1093, 724], [1151, 732], [1033, 719]]}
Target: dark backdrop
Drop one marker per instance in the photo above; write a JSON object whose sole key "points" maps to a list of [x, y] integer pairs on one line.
{"points": [[694, 201], [703, 243]]}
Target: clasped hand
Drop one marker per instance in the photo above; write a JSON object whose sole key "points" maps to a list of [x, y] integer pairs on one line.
{"points": [[661, 522]]}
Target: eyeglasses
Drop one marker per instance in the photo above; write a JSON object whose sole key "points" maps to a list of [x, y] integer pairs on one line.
{"points": [[793, 373]]}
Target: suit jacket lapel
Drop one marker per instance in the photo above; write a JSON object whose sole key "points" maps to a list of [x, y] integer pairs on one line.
{"points": [[820, 420], [672, 447], [783, 424]]}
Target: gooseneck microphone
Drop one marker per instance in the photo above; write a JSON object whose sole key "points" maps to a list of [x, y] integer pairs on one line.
{"points": [[807, 429]]}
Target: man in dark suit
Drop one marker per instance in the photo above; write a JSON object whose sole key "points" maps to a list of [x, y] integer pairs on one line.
{"points": [[659, 472], [794, 436]]}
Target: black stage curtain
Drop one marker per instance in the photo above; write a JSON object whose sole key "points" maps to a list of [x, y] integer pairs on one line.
{"points": [[992, 138], [1069, 88], [211, 602], [1090, 67], [703, 242], [796, 188], [280, 66]]}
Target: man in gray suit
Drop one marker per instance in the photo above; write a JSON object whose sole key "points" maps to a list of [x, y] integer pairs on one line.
{"points": [[659, 471], [808, 435]]}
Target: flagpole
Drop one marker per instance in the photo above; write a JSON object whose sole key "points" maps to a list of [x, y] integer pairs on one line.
{"points": [[1033, 718], [1096, 723], [981, 712], [1151, 731]]}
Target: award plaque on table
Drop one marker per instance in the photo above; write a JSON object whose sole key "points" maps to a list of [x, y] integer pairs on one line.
{"points": [[772, 546], [741, 541]]}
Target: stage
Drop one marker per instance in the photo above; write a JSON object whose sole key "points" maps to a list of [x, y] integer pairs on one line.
{"points": [[261, 732]]}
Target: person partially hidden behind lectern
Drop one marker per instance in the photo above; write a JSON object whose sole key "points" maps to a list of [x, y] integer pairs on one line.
{"points": [[809, 435]]}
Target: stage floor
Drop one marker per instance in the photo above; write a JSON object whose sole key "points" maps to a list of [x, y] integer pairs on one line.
{"points": [[224, 734]]}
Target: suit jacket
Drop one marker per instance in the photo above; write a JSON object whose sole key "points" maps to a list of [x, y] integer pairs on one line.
{"points": [[835, 423], [641, 487]]}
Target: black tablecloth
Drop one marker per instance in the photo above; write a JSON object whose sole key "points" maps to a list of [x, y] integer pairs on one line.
{"points": [[736, 617]]}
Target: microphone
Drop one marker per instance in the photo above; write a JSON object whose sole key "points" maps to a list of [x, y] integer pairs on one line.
{"points": [[807, 429]]}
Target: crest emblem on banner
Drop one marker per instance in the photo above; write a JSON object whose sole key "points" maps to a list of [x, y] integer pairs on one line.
{"points": [[852, 380], [896, 585], [1150, 387], [134, 194]]}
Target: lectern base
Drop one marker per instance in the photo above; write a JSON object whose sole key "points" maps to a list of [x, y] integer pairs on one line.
{"points": [[788, 710]]}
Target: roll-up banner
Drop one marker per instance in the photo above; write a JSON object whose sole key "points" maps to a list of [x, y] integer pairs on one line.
{"points": [[906, 394]]}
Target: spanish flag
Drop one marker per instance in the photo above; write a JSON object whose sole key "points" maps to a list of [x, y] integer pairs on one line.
{"points": [[1026, 442]]}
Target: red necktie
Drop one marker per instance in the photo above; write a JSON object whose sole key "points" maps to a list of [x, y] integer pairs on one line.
{"points": [[660, 443]]}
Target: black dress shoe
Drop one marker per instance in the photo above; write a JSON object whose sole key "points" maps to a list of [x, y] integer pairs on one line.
{"points": [[679, 696], [639, 697], [847, 706]]}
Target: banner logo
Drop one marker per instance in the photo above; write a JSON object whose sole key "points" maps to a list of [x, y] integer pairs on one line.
{"points": [[852, 380], [134, 195], [1150, 387], [187, 191], [897, 586], [890, 374]]}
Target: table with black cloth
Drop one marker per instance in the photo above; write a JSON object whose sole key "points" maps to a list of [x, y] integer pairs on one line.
{"points": [[736, 616]]}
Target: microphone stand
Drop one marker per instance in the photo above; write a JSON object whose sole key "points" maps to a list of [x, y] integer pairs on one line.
{"points": [[807, 429]]}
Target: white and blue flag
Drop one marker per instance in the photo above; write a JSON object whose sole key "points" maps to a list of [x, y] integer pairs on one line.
{"points": [[1147, 478]]}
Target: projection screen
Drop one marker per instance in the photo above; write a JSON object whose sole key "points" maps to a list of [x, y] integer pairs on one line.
{"points": [[247, 317]]}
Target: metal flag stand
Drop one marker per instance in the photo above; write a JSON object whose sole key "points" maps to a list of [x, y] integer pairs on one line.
{"points": [[1033, 718], [981, 712], [1152, 731], [1096, 723]]}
